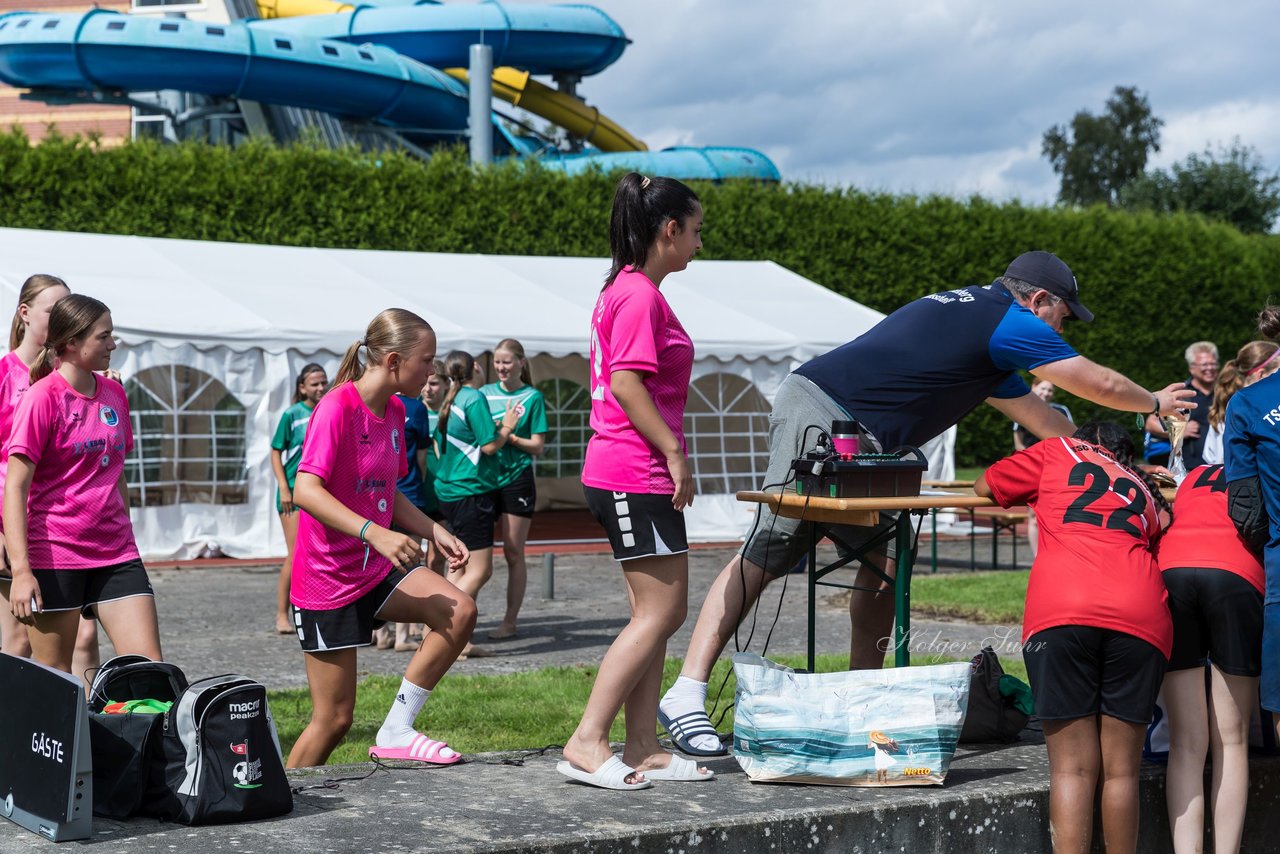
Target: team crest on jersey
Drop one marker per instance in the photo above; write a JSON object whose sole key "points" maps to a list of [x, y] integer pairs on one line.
{"points": [[395, 441], [382, 505], [108, 416]]}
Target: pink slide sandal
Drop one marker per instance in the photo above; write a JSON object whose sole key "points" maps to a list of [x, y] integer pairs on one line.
{"points": [[421, 749]]}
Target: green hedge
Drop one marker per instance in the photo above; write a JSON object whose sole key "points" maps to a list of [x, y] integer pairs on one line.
{"points": [[1155, 283]]}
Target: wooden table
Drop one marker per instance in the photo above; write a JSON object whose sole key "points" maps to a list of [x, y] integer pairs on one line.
{"points": [[864, 512]]}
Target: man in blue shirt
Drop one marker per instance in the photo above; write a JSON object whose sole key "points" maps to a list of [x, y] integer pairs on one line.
{"points": [[909, 378]]}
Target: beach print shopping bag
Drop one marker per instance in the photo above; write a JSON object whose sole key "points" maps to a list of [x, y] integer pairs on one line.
{"points": [[895, 727]]}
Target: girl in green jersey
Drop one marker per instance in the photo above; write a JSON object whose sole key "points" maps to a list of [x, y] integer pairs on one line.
{"points": [[286, 453], [517, 493], [467, 478]]}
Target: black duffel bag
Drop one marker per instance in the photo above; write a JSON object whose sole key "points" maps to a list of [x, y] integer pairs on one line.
{"points": [[128, 770]]}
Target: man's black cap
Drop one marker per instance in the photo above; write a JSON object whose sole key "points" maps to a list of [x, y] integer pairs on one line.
{"points": [[1048, 271]]}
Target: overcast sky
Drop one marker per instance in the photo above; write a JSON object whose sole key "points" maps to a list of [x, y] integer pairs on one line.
{"points": [[946, 97]]}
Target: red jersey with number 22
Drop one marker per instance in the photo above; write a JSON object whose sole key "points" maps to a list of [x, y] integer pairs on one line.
{"points": [[1095, 564], [1202, 534]]}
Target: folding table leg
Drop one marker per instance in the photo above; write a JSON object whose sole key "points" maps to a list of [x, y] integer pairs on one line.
{"points": [[902, 592]]}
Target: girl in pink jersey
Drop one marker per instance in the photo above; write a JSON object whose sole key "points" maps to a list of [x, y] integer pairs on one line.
{"points": [[636, 476], [26, 337], [351, 571], [66, 509]]}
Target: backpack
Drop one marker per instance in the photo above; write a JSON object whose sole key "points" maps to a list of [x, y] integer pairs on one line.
{"points": [[127, 766], [221, 755], [994, 713]]}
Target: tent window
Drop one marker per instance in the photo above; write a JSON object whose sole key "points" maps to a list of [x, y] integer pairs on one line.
{"points": [[726, 426], [568, 428], [188, 439]]}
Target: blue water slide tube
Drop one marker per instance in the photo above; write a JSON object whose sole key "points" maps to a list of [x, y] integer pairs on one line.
{"points": [[107, 51], [715, 163], [101, 50], [539, 39]]}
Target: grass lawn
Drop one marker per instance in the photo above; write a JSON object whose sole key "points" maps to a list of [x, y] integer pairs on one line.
{"points": [[994, 598], [520, 711], [969, 473]]}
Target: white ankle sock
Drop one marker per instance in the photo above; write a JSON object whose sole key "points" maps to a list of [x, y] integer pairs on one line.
{"points": [[397, 730], [685, 696]]}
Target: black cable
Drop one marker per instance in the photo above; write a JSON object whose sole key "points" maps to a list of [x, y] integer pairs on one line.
{"points": [[823, 441], [333, 782]]}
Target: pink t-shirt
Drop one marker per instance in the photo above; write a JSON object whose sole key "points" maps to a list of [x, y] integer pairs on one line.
{"points": [[76, 517], [359, 456], [634, 329], [15, 379]]}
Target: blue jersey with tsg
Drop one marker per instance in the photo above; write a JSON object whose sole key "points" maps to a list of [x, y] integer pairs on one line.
{"points": [[1251, 447], [922, 368]]}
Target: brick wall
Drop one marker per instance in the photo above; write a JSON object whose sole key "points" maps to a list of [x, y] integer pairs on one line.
{"points": [[34, 116]]}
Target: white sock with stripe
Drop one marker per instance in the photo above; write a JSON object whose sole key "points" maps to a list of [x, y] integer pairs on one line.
{"points": [[397, 730], [685, 697]]}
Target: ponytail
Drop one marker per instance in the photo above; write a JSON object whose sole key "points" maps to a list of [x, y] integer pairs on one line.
{"points": [[351, 368], [1229, 381], [458, 368], [641, 207], [43, 365]]}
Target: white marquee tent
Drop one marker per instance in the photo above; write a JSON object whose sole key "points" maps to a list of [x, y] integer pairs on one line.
{"points": [[212, 335]]}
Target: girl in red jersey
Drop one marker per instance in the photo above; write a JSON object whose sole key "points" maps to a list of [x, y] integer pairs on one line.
{"points": [[351, 570], [1216, 586], [66, 511], [1096, 629]]}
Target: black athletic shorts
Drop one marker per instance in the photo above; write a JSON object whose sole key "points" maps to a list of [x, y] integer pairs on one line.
{"points": [[1082, 671], [471, 519], [82, 589], [351, 625], [1215, 613], [638, 524], [519, 496]]}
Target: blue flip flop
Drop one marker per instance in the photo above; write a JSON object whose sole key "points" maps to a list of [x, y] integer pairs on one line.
{"points": [[683, 727]]}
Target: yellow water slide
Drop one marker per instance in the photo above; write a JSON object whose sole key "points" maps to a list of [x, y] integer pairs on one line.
{"points": [[298, 8], [517, 88], [512, 85]]}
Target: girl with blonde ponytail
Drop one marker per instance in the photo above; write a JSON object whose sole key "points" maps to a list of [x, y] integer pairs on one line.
{"points": [[354, 568], [66, 521], [467, 477], [1235, 374], [26, 338]]}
